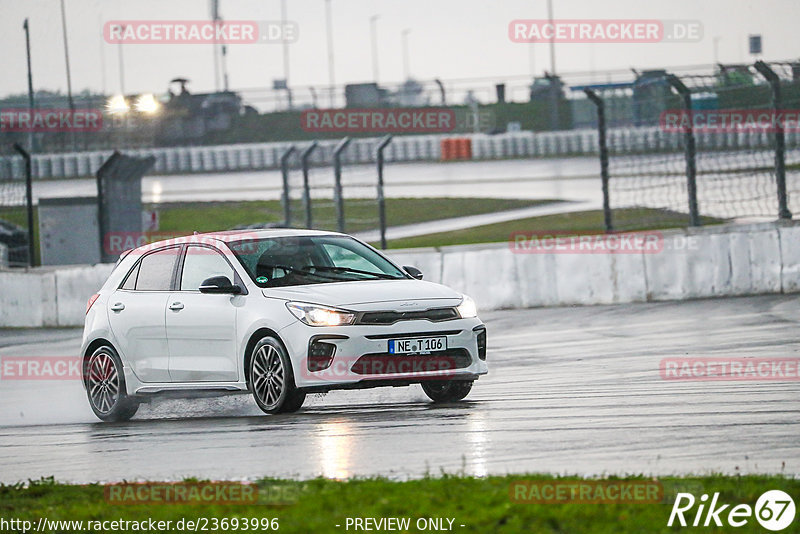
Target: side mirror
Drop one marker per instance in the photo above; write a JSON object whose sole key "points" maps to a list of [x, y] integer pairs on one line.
{"points": [[413, 271], [219, 285]]}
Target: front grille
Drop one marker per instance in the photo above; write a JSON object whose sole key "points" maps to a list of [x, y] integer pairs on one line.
{"points": [[384, 363], [390, 317]]}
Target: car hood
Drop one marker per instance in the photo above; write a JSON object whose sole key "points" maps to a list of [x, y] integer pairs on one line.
{"points": [[371, 294]]}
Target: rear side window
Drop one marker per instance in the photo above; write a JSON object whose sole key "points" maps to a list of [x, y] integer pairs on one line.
{"points": [[130, 281], [155, 270]]}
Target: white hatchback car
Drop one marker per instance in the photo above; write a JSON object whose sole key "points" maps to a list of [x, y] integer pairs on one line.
{"points": [[279, 313]]}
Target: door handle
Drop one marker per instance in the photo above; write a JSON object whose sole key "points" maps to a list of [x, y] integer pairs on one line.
{"points": [[175, 306], [118, 307]]}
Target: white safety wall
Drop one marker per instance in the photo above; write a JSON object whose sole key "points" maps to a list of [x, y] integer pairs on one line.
{"points": [[696, 263]]}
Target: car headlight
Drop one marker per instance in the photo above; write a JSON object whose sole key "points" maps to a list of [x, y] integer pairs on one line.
{"points": [[467, 308], [314, 315]]}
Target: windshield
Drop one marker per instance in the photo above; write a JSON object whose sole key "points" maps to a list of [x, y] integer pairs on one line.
{"points": [[300, 260]]}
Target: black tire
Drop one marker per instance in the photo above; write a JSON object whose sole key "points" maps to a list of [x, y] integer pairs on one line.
{"points": [[447, 390], [272, 378], [105, 386]]}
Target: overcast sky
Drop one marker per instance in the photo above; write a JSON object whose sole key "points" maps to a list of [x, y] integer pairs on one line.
{"points": [[449, 39]]}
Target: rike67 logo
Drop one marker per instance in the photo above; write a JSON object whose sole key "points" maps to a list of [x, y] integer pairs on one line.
{"points": [[774, 511]]}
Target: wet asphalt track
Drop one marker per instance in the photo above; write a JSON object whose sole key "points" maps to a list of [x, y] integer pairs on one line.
{"points": [[571, 390]]}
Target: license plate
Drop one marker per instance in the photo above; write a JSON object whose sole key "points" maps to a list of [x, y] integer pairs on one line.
{"points": [[411, 345]]}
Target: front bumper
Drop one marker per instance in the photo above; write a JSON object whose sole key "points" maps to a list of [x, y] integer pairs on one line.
{"points": [[361, 359]]}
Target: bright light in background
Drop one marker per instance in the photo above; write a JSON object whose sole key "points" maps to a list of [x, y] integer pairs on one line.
{"points": [[148, 104], [156, 192], [117, 105]]}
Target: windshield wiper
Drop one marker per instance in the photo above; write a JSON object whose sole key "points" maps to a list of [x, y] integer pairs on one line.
{"points": [[335, 269], [303, 271]]}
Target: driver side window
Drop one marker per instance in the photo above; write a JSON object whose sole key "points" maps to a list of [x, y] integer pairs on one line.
{"points": [[343, 257], [202, 263]]}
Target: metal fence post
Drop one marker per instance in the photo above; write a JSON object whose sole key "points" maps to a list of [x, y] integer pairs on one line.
{"points": [[690, 150], [383, 143], [306, 187], [603, 144], [28, 198], [780, 141], [285, 200], [337, 175]]}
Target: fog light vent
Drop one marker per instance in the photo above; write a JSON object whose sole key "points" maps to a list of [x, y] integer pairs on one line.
{"points": [[320, 355], [482, 344]]}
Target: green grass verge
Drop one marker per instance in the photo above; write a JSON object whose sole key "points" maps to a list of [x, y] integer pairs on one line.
{"points": [[576, 223], [360, 215], [480, 504], [186, 217]]}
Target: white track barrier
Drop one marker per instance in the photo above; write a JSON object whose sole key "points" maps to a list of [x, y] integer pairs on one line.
{"points": [[695, 263]]}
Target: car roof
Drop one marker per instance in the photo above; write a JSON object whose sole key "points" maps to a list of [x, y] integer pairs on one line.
{"points": [[238, 235], [234, 235]]}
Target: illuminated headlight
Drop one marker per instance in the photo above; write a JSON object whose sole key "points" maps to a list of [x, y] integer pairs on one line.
{"points": [[314, 315], [467, 308]]}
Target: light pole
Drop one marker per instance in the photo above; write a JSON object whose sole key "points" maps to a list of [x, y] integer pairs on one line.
{"points": [[102, 55], [406, 71], [329, 27], [532, 58], [373, 28], [215, 47], [69, 77], [285, 52], [552, 38], [121, 64], [30, 81]]}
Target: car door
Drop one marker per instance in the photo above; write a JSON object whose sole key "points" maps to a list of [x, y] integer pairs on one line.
{"points": [[136, 312], [201, 328]]}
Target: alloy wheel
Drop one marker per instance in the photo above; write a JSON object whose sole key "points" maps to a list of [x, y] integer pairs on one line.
{"points": [[103, 382], [268, 375]]}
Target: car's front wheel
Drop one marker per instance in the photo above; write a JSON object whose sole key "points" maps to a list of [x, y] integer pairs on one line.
{"points": [[272, 379], [105, 386], [447, 390]]}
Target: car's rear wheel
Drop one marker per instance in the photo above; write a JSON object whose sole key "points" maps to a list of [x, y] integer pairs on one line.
{"points": [[447, 390], [272, 379], [105, 386]]}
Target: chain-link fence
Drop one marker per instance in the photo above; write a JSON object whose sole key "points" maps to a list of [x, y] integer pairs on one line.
{"points": [[15, 216], [723, 145], [344, 196]]}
